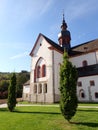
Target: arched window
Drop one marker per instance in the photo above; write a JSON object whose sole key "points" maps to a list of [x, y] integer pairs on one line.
{"points": [[81, 93], [43, 70], [38, 72], [40, 68], [84, 63]]}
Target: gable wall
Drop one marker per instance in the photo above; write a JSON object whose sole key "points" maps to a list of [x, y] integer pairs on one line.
{"points": [[40, 51]]}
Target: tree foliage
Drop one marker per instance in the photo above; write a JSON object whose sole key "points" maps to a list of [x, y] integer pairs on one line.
{"points": [[12, 93], [4, 89], [68, 81], [21, 77]]}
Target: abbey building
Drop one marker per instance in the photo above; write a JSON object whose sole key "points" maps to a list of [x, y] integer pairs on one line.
{"points": [[46, 58]]}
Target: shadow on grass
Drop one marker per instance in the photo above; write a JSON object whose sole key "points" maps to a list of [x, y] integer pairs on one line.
{"points": [[4, 109], [37, 112], [29, 112], [89, 124], [92, 110]]}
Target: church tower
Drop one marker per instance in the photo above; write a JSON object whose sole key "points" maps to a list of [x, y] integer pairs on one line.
{"points": [[64, 36]]}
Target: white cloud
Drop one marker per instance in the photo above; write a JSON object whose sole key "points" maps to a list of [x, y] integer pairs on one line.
{"points": [[19, 55]]}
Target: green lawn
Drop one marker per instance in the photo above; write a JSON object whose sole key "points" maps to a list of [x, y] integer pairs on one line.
{"points": [[47, 118]]}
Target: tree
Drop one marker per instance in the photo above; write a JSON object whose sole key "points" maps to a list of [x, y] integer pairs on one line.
{"points": [[12, 93], [4, 88], [68, 81], [22, 77]]}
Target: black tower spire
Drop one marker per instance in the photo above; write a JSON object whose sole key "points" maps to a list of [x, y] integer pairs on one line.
{"points": [[64, 36]]}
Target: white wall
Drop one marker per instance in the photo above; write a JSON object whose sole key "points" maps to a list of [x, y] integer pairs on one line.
{"points": [[89, 90], [89, 57], [58, 57], [97, 57], [26, 89], [42, 51]]}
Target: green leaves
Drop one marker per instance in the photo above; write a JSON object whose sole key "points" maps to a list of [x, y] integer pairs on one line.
{"points": [[68, 80], [12, 93]]}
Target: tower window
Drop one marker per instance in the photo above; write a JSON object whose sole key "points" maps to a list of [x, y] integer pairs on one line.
{"points": [[84, 63]]}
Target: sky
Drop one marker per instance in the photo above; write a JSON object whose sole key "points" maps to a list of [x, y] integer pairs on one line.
{"points": [[21, 21]]}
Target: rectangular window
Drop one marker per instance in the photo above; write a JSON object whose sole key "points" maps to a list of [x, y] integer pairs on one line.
{"points": [[96, 95], [26, 95], [92, 83], [45, 88], [79, 84]]}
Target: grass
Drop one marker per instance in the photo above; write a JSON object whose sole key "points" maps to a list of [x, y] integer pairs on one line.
{"points": [[47, 118]]}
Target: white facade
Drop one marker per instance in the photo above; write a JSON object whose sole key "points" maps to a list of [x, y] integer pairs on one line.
{"points": [[91, 59], [88, 92], [26, 92], [44, 83], [42, 55]]}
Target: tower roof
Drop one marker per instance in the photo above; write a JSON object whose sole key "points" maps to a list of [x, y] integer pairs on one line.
{"points": [[63, 22]]}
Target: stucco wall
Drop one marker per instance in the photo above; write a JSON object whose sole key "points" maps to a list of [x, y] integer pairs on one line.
{"points": [[57, 61], [90, 58], [26, 91], [42, 51], [88, 89]]}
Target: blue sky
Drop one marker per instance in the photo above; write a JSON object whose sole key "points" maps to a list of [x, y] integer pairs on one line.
{"points": [[22, 20]]}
